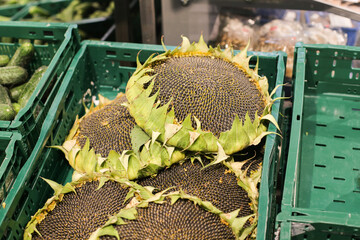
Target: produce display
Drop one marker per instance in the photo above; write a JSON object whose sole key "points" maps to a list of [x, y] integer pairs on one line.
{"points": [[75, 11], [275, 35], [10, 2], [16, 84], [178, 155], [211, 193]]}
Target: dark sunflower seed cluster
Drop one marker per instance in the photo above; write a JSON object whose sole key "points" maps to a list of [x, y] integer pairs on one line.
{"points": [[215, 183], [80, 213], [182, 220], [107, 128], [211, 89]]}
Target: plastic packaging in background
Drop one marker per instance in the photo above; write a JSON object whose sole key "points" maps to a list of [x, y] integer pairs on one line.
{"points": [[320, 35], [334, 22], [236, 30], [267, 34], [280, 35]]}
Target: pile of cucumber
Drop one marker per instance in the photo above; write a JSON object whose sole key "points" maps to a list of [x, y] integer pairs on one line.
{"points": [[15, 85]]}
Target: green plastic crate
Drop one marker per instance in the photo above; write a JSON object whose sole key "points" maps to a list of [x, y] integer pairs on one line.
{"points": [[62, 42], [105, 68], [10, 10], [94, 27], [12, 156], [322, 183]]}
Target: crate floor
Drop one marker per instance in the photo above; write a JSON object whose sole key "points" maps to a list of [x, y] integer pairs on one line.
{"points": [[330, 151]]}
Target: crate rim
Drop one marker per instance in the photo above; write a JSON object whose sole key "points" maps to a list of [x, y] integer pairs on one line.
{"points": [[325, 46], [35, 24]]}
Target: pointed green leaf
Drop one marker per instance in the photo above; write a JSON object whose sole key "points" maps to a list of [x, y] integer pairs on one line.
{"points": [[54, 185], [106, 231], [185, 44], [201, 46], [138, 138], [171, 130], [271, 119], [249, 128], [220, 157], [102, 181], [154, 137], [68, 188], [129, 213], [174, 199]]}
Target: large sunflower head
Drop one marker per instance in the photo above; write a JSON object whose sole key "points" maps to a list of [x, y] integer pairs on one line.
{"points": [[200, 98]]}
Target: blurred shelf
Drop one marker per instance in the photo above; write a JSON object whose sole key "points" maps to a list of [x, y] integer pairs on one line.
{"points": [[316, 5]]}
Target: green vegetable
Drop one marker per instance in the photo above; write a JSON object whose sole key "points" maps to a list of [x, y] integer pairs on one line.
{"points": [[4, 59], [6, 39], [38, 11], [16, 91], [3, 18], [4, 96], [7, 113], [31, 85], [22, 55], [16, 107], [12, 75], [6, 110]]}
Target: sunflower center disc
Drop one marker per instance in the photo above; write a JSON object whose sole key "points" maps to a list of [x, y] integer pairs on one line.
{"points": [[211, 89]]}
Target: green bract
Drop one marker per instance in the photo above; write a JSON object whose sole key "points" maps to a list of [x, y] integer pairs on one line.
{"points": [[145, 158], [161, 121]]}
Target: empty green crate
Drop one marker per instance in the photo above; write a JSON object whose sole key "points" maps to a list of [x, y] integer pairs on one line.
{"points": [[61, 41], [89, 28], [322, 183], [105, 68]]}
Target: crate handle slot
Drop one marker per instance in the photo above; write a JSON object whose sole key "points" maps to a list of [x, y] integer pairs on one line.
{"points": [[49, 33], [110, 53], [355, 64]]}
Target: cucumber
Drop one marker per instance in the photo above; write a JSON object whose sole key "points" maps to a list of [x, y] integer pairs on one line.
{"points": [[3, 18], [7, 113], [16, 91], [4, 96], [22, 55], [31, 85], [16, 107], [6, 110], [12, 75], [38, 11], [4, 59], [7, 39]]}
